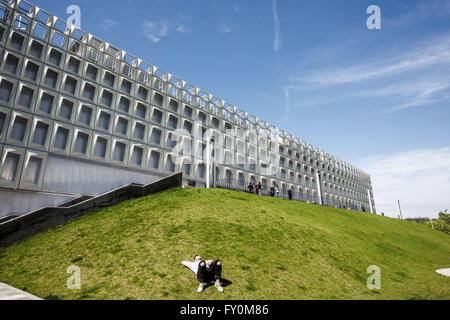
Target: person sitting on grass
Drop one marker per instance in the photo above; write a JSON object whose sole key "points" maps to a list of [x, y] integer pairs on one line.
{"points": [[208, 271]]}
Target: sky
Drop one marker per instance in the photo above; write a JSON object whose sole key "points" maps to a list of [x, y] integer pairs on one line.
{"points": [[376, 98]]}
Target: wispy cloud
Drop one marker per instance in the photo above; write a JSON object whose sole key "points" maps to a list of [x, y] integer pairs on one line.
{"points": [[404, 79], [413, 93], [420, 179], [183, 28], [107, 24], [276, 21], [424, 10], [437, 53], [223, 28], [155, 31]]}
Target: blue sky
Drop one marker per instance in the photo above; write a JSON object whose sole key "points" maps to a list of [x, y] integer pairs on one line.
{"points": [[378, 99]]}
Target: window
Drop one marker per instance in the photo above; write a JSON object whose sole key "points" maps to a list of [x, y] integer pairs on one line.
{"points": [[202, 117], [173, 122], [81, 143], [85, 115], [141, 110], [19, 129], [70, 85], [31, 71], [158, 100], [122, 126], [11, 63], [2, 122], [33, 170], [201, 170], [157, 116], [62, 134], [100, 147], [119, 151], [142, 93], [10, 166], [124, 104], [46, 104], [36, 49], [215, 123], [91, 72], [188, 126], [104, 120], [109, 79], [139, 131], [156, 136], [66, 109], [5, 90], [170, 165], [26, 96], [89, 91], [188, 112], [51, 78], [107, 98], [137, 155], [40, 133], [55, 57], [154, 159], [173, 105], [171, 143], [187, 169], [17, 41], [126, 86]]}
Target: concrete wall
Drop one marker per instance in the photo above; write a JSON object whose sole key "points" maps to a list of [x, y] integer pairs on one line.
{"points": [[33, 223]]}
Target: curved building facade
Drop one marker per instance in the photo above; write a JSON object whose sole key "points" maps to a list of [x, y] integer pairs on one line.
{"points": [[79, 116]]}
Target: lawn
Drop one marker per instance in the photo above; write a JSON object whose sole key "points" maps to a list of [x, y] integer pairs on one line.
{"points": [[270, 248]]}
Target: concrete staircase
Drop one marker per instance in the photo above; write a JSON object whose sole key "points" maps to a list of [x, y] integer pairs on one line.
{"points": [[17, 228]]}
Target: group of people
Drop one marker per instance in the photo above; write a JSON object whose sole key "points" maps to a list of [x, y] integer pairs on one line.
{"points": [[255, 188]]}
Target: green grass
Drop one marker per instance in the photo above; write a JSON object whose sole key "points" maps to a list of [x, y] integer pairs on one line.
{"points": [[270, 248]]}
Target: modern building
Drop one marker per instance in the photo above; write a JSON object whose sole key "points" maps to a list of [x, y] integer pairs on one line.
{"points": [[79, 116]]}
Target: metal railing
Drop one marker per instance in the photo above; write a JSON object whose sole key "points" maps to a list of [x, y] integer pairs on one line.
{"points": [[244, 186]]}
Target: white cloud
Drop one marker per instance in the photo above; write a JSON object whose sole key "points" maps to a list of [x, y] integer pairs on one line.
{"points": [[223, 28], [236, 9], [276, 21], [184, 28], [420, 179], [413, 92], [156, 31], [425, 10], [107, 24], [434, 54]]}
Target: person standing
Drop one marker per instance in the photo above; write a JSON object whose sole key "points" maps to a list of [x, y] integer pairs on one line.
{"points": [[277, 191], [290, 194], [260, 189]]}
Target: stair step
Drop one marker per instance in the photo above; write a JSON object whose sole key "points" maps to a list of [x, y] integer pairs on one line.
{"points": [[74, 201]]}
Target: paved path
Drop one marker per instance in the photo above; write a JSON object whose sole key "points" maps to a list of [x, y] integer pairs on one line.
{"points": [[445, 272], [11, 293]]}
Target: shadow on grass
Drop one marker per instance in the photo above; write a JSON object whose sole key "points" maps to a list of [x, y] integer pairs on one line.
{"points": [[225, 283]]}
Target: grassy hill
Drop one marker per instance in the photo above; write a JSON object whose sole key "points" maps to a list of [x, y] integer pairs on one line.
{"points": [[270, 248]]}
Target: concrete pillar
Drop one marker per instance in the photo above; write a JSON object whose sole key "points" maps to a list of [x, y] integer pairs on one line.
{"points": [[319, 189], [370, 201]]}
